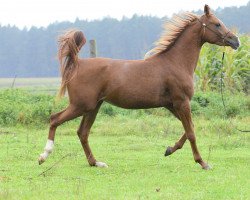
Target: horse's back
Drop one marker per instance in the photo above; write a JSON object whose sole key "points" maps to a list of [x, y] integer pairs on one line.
{"points": [[125, 83], [130, 83]]}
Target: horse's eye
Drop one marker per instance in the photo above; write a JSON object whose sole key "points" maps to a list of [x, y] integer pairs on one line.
{"points": [[217, 25]]}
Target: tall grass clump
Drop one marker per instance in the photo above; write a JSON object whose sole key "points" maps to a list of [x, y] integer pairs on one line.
{"points": [[22, 107]]}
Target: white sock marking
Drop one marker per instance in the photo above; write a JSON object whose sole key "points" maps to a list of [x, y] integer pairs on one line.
{"points": [[47, 150], [101, 164]]}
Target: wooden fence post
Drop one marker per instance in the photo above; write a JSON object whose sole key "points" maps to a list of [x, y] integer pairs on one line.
{"points": [[13, 82], [92, 49]]}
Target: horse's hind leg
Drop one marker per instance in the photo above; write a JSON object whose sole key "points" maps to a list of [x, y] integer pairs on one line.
{"points": [[83, 134], [57, 119]]}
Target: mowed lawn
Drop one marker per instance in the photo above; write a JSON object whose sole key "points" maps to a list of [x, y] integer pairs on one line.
{"points": [[133, 147]]}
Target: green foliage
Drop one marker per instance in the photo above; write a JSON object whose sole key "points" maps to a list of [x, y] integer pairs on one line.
{"points": [[201, 100], [236, 70], [27, 108], [109, 110], [195, 107], [209, 105], [232, 111], [20, 106]]}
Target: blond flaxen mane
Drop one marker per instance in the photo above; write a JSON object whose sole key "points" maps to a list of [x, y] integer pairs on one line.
{"points": [[172, 30]]}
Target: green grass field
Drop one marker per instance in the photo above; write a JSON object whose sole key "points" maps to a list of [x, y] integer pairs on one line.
{"points": [[133, 147], [132, 143]]}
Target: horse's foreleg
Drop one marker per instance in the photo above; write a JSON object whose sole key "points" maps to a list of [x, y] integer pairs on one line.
{"points": [[181, 141], [184, 112], [55, 120], [178, 145], [83, 134]]}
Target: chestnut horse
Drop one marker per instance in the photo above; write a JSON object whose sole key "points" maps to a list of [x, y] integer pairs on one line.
{"points": [[163, 79]]}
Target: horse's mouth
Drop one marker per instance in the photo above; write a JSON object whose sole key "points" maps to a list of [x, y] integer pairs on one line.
{"points": [[234, 44]]}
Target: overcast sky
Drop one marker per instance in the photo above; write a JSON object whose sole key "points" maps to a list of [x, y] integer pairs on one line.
{"points": [[43, 12]]}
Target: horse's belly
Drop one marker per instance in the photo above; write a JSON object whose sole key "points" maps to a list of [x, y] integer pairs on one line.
{"points": [[138, 100]]}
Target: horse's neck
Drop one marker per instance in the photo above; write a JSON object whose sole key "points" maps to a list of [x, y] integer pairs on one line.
{"points": [[186, 49]]}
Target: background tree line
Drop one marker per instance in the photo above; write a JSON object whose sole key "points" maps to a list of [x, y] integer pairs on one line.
{"points": [[32, 53]]}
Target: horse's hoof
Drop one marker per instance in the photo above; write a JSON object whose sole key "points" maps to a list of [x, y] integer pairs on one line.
{"points": [[41, 160], [101, 164], [207, 167], [168, 151]]}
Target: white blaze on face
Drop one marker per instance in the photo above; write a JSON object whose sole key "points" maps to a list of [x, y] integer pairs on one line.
{"points": [[238, 41], [47, 150]]}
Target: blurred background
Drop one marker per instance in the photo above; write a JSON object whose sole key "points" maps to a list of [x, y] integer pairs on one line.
{"points": [[122, 30]]}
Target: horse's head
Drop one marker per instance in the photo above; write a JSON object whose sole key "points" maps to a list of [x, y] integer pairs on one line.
{"points": [[215, 32]]}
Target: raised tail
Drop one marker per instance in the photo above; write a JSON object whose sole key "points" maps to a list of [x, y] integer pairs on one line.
{"points": [[69, 44]]}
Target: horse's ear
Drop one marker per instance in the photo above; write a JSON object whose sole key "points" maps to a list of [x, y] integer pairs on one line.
{"points": [[207, 10]]}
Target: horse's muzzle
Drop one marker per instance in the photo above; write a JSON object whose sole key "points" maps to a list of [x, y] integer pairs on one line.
{"points": [[233, 42]]}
